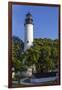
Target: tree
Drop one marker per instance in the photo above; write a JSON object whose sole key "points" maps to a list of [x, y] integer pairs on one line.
{"points": [[17, 48], [43, 54], [43, 60]]}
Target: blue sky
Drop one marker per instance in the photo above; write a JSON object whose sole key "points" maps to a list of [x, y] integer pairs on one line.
{"points": [[45, 21]]}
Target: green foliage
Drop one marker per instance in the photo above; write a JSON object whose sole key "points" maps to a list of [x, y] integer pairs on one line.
{"points": [[17, 48], [43, 53]]}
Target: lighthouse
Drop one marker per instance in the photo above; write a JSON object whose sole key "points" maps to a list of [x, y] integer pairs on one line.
{"points": [[28, 37]]}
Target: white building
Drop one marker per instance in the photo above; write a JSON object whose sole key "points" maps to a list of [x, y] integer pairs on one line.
{"points": [[28, 42]]}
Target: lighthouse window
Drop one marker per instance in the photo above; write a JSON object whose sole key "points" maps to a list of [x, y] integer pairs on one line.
{"points": [[27, 41]]}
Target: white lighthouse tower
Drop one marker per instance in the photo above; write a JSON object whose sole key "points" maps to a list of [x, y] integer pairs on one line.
{"points": [[28, 42]]}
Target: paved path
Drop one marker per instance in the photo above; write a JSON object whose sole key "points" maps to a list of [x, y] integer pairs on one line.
{"points": [[25, 81]]}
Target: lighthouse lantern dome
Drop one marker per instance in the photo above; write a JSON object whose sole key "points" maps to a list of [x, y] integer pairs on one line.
{"points": [[28, 19]]}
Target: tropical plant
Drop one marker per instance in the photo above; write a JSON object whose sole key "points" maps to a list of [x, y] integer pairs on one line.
{"points": [[43, 54]]}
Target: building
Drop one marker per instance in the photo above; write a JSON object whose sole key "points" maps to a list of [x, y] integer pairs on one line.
{"points": [[28, 37]]}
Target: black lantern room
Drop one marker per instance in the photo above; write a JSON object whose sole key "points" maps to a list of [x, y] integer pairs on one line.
{"points": [[28, 19]]}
